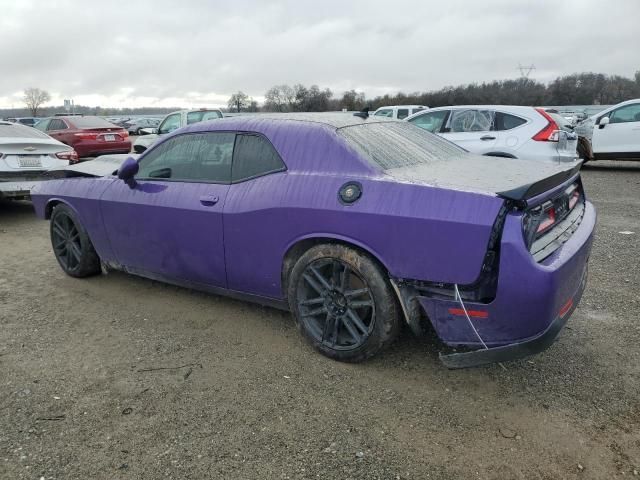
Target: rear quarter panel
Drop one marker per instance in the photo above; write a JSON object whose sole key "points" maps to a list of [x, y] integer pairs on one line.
{"points": [[415, 231]]}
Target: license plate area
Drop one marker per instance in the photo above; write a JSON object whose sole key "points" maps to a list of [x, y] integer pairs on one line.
{"points": [[109, 138], [29, 161]]}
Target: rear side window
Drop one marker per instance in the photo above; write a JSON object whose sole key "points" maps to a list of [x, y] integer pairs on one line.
{"points": [[506, 121], [403, 113], [57, 124], [254, 156]]}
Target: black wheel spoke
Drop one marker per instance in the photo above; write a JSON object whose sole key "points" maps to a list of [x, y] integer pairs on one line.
{"points": [[311, 301], [355, 293], [344, 279], [361, 304], [357, 321], [346, 321], [330, 330], [320, 278], [75, 251], [59, 230], [314, 312], [318, 288], [336, 273]]}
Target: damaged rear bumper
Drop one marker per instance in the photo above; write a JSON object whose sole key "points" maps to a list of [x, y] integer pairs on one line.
{"points": [[533, 300], [518, 350]]}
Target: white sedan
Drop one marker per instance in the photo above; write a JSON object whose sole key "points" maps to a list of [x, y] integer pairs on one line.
{"points": [[25, 156], [501, 131]]}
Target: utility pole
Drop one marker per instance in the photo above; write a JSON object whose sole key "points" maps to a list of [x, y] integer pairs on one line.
{"points": [[525, 70]]}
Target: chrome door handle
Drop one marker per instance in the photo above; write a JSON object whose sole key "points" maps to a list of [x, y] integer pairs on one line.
{"points": [[209, 200]]}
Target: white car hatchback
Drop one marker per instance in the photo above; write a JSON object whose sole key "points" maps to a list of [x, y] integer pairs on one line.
{"points": [[501, 131]]}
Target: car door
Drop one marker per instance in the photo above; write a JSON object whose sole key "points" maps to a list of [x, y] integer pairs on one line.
{"points": [[472, 129], [249, 216], [621, 135], [432, 121], [168, 223]]}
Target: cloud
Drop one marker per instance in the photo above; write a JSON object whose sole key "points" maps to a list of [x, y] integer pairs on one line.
{"points": [[198, 52]]}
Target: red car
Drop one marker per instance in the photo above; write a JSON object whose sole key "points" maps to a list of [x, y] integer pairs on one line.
{"points": [[89, 136]]}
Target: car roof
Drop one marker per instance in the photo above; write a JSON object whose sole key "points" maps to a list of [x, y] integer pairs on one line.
{"points": [[402, 106], [333, 120]]}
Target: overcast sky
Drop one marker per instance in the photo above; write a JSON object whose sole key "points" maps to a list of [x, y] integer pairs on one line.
{"points": [[197, 52]]}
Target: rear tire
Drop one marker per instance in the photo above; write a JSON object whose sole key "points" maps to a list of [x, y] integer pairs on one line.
{"points": [[343, 303], [71, 244]]}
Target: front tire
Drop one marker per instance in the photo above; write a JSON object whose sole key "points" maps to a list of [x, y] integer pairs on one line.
{"points": [[71, 244], [343, 303]]}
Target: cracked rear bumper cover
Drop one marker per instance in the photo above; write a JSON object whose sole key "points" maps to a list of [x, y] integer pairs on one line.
{"points": [[518, 350]]}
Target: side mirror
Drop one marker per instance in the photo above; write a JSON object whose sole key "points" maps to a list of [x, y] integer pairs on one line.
{"points": [[127, 171], [604, 121], [148, 131]]}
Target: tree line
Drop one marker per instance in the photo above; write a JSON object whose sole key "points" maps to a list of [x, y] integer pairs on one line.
{"points": [[576, 89]]}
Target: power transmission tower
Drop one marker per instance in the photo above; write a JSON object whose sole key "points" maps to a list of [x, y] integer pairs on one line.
{"points": [[525, 70]]}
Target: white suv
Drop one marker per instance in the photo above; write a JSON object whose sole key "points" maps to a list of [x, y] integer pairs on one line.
{"points": [[501, 131], [614, 133], [172, 122], [398, 112]]}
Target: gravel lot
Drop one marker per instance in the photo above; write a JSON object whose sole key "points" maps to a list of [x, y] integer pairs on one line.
{"points": [[118, 377]]}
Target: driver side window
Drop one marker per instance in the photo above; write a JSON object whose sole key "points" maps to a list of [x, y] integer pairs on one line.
{"points": [[171, 123], [195, 157]]}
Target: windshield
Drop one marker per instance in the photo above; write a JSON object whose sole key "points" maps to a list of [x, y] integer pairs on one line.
{"points": [[398, 144]]}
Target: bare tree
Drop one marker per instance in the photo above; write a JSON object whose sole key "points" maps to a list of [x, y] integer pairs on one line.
{"points": [[238, 101], [34, 97]]}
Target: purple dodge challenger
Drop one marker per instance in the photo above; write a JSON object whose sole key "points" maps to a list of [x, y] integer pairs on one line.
{"points": [[354, 224]]}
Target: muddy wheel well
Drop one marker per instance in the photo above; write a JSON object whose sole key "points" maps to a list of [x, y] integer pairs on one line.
{"points": [[49, 208], [296, 251]]}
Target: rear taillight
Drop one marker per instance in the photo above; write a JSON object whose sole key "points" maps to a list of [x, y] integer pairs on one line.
{"points": [[547, 219], [70, 155], [550, 133]]}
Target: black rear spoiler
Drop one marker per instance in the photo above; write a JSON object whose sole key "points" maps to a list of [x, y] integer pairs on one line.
{"points": [[530, 190]]}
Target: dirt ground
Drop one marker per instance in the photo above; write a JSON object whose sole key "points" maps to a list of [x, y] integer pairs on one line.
{"points": [[118, 377]]}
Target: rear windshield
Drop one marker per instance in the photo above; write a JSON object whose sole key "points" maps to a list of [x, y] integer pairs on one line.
{"points": [[91, 122], [20, 131], [398, 144]]}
